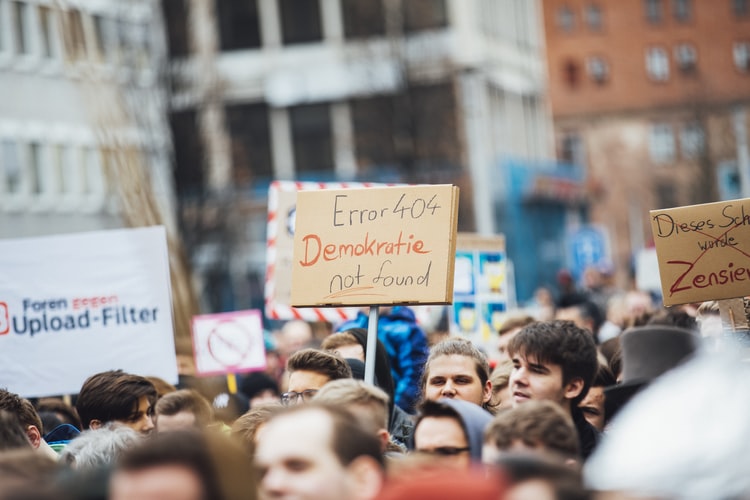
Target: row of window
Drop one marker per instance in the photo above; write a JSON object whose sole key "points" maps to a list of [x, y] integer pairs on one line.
{"points": [[655, 13], [65, 176], [301, 21], [662, 142], [657, 63], [34, 31]]}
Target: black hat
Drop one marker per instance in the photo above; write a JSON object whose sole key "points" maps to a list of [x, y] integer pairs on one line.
{"points": [[647, 352]]}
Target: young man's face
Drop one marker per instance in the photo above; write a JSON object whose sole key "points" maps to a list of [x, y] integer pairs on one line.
{"points": [[305, 380], [295, 459], [141, 420], [533, 380], [592, 407], [444, 439], [455, 376]]}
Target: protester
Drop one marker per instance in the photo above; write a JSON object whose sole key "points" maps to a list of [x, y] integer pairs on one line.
{"points": [[245, 429], [309, 370], [533, 427], [406, 345], [593, 406], [259, 388], [585, 314], [367, 403], [29, 420], [182, 409], [117, 396], [185, 465], [457, 369], [501, 397], [556, 361], [451, 431], [507, 331], [320, 452], [99, 448]]}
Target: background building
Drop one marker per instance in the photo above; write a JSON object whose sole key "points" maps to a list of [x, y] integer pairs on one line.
{"points": [[438, 91], [651, 97]]}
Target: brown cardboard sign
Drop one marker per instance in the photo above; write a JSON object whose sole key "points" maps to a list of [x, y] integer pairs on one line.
{"points": [[375, 246], [703, 251]]}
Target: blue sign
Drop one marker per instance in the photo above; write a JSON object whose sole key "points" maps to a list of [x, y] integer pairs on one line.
{"points": [[589, 246]]}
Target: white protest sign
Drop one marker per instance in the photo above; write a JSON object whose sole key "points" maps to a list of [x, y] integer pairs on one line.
{"points": [[228, 342], [77, 304]]}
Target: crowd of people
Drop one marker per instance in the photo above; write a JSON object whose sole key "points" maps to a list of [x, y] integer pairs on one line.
{"points": [[597, 393]]}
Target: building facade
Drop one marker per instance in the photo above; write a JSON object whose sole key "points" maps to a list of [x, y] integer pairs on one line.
{"points": [[652, 98], [436, 91], [70, 78]]}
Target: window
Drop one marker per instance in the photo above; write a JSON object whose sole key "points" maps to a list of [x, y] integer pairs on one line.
{"points": [[740, 8], [311, 135], [23, 35], [373, 119], [571, 149], [45, 30], [36, 165], [300, 21], [424, 15], [593, 14], [666, 195], [598, 69], [654, 11], [572, 73], [75, 47], [566, 19], [94, 181], [741, 53], [176, 19], [692, 140], [657, 64], [661, 143], [250, 141], [10, 166], [686, 57], [188, 152], [682, 10], [239, 25], [363, 18]]}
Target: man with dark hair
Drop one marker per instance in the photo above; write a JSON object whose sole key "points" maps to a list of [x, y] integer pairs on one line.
{"points": [[28, 418], [116, 396], [183, 409], [309, 370], [556, 361], [321, 452]]}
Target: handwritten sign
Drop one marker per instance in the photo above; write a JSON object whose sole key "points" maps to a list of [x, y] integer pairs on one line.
{"points": [[375, 246], [703, 251]]}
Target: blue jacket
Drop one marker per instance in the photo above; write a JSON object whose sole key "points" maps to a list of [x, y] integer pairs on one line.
{"points": [[407, 349]]}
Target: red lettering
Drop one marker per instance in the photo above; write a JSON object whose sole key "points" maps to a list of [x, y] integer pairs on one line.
{"points": [[673, 289], [307, 262]]}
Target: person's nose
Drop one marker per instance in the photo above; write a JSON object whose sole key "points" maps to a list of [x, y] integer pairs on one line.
{"points": [[273, 482], [449, 390], [518, 377], [148, 423]]}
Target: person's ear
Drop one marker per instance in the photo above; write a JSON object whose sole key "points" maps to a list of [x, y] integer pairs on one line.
{"points": [[384, 438], [365, 477], [95, 424], [35, 437], [487, 392], [573, 388]]}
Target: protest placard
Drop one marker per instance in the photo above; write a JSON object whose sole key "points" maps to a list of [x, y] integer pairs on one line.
{"points": [[375, 246], [703, 251], [77, 304], [230, 342]]}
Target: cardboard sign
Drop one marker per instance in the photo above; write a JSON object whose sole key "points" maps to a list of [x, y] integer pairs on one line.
{"points": [[229, 342], [375, 246], [703, 251], [78, 304]]}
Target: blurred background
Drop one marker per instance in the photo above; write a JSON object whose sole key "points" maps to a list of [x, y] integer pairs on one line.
{"points": [[562, 121]]}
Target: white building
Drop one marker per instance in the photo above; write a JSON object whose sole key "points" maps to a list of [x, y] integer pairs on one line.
{"points": [[71, 74]]}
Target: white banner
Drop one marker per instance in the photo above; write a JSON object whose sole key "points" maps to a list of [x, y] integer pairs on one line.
{"points": [[230, 342], [78, 304]]}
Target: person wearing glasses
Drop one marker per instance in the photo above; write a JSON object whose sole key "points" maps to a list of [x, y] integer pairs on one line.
{"points": [[451, 431], [309, 370]]}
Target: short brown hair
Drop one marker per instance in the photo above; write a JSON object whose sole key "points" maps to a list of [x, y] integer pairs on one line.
{"points": [[112, 395], [22, 408], [514, 322], [186, 400], [336, 340], [246, 426], [534, 423], [345, 392], [331, 365]]}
